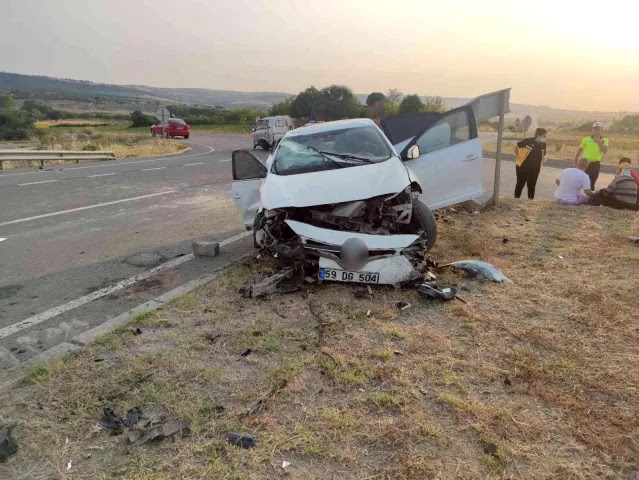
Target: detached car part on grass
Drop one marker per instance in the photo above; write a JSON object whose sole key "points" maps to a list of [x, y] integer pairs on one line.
{"points": [[338, 197]]}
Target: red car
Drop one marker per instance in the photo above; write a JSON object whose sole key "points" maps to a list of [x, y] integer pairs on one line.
{"points": [[174, 128]]}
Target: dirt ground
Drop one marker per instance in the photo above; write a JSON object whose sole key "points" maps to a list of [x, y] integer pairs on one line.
{"points": [[537, 379]]}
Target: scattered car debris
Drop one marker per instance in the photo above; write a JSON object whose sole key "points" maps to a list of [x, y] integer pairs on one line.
{"points": [[398, 352], [8, 445], [255, 406], [244, 441], [368, 313], [401, 305], [112, 421], [205, 249], [430, 292], [285, 464], [286, 281], [634, 239], [213, 335], [159, 423], [477, 268], [69, 466], [246, 352]]}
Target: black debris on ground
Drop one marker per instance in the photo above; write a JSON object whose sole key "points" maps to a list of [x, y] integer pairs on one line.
{"points": [[244, 441], [8, 445]]}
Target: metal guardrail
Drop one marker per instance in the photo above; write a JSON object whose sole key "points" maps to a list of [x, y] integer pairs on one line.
{"points": [[42, 156]]}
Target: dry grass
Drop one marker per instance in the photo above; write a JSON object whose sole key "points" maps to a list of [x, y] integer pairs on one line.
{"points": [[544, 384], [68, 122], [562, 145]]}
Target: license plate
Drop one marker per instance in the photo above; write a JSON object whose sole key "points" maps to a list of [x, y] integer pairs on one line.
{"points": [[336, 275]]}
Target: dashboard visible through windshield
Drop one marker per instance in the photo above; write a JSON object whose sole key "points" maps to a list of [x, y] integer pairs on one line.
{"points": [[343, 148]]}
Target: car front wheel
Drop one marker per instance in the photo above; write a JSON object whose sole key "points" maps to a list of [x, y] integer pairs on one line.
{"points": [[424, 220]]}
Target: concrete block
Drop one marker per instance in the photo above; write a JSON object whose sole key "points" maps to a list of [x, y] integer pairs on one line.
{"points": [[206, 249], [480, 203]]}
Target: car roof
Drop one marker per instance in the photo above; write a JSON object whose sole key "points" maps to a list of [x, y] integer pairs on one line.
{"points": [[330, 126]]}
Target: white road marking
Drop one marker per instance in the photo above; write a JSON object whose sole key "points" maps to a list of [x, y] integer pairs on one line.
{"points": [[149, 169], [2, 239], [125, 162], [78, 302], [35, 183], [102, 175], [189, 164], [88, 207]]}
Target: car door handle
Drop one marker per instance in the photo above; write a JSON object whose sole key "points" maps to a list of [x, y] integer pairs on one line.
{"points": [[470, 158]]}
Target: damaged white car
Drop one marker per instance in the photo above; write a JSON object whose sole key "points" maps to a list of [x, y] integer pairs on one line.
{"points": [[339, 197]]}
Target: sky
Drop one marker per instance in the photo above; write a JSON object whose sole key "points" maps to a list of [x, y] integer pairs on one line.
{"points": [[579, 55]]}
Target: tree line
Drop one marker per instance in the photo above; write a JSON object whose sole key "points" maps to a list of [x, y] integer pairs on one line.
{"points": [[336, 102]]}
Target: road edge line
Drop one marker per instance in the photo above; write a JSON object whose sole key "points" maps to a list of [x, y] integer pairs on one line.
{"points": [[15, 375]]}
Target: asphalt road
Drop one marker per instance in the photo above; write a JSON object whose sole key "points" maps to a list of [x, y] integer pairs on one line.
{"points": [[73, 239]]}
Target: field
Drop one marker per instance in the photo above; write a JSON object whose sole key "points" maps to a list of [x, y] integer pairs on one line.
{"points": [[533, 380], [562, 145]]}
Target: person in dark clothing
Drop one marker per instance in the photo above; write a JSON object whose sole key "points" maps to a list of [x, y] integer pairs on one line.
{"points": [[530, 155]]}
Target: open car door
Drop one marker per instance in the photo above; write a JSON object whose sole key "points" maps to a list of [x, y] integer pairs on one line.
{"points": [[449, 166], [248, 174]]}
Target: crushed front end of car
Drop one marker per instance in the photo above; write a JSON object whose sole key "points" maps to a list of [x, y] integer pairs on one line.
{"points": [[378, 240]]}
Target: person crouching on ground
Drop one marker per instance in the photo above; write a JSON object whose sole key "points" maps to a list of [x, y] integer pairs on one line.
{"points": [[593, 148], [625, 162], [621, 193], [570, 184], [530, 155]]}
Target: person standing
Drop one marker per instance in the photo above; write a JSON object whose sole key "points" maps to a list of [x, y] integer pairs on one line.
{"points": [[530, 155], [570, 184], [593, 148]]}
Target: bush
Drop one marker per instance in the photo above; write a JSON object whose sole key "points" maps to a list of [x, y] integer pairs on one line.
{"points": [[90, 147], [411, 104], [139, 119], [16, 125]]}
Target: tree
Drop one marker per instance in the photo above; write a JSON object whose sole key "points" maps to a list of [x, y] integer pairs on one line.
{"points": [[375, 97], [6, 101], [282, 108], [16, 125], [336, 102], [305, 102], [411, 104], [393, 95], [435, 104], [139, 119], [54, 115]]}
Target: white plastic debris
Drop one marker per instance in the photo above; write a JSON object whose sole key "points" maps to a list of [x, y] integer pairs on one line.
{"points": [[69, 465], [477, 268], [285, 464]]}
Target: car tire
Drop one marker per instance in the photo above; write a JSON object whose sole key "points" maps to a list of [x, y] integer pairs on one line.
{"points": [[186, 137], [424, 220]]}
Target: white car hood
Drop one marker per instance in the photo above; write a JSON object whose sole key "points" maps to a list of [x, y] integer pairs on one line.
{"points": [[334, 186]]}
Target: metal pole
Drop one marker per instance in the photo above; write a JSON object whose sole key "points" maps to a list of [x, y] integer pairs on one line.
{"points": [[500, 134]]}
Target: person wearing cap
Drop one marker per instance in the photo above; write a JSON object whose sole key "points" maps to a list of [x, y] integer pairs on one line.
{"points": [[570, 184], [593, 148], [530, 155], [621, 193]]}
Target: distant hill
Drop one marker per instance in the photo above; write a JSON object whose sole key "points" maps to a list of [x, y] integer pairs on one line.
{"points": [[77, 89], [84, 95]]}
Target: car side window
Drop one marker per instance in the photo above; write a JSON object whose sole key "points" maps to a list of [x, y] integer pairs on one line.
{"points": [[246, 166], [449, 130]]}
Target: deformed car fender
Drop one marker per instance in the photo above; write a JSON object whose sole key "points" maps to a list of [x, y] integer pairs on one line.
{"points": [[414, 181]]}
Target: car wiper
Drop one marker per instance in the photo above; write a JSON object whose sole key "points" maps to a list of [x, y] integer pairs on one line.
{"points": [[348, 156], [326, 157]]}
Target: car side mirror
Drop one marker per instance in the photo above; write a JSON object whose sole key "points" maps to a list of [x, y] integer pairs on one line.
{"points": [[412, 153]]}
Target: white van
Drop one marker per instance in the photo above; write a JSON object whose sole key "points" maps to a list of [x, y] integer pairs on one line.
{"points": [[270, 130]]}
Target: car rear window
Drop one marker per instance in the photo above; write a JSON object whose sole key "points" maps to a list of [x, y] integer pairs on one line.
{"points": [[176, 121]]}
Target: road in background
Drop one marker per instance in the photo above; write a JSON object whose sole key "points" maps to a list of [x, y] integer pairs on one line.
{"points": [[69, 234]]}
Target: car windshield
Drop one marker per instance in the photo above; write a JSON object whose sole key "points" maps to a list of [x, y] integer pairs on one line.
{"points": [[347, 147]]}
